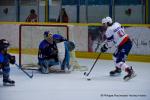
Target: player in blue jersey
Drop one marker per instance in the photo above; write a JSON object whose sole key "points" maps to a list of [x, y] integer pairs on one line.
{"points": [[48, 52], [5, 59]]}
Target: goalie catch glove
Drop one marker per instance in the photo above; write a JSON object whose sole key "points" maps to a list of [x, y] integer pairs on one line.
{"points": [[71, 45], [104, 48], [12, 60]]}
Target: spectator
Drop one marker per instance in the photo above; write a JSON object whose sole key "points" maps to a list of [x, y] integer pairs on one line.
{"points": [[33, 17], [63, 17]]}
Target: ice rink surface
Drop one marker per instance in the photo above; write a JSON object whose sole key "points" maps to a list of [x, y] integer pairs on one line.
{"points": [[74, 86]]}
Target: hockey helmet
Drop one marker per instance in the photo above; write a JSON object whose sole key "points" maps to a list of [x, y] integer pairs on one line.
{"points": [[103, 20], [107, 20], [47, 34], [4, 44]]}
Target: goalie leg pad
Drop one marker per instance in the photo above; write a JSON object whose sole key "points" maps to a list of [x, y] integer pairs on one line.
{"points": [[66, 59], [45, 64], [61, 51], [43, 67], [63, 54]]}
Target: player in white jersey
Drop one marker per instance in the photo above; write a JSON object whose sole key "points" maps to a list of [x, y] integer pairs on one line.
{"points": [[116, 35]]}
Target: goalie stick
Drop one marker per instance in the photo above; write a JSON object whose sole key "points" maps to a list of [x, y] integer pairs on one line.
{"points": [[51, 70], [20, 67]]}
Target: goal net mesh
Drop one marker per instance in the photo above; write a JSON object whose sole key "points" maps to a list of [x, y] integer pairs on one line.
{"points": [[30, 37]]}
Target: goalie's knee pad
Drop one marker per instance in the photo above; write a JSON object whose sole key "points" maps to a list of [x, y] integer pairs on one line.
{"points": [[43, 67]]}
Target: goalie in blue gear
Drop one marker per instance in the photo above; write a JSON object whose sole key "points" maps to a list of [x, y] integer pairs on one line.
{"points": [[48, 52], [5, 59]]}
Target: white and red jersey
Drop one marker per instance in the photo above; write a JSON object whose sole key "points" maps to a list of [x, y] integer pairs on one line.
{"points": [[116, 34]]}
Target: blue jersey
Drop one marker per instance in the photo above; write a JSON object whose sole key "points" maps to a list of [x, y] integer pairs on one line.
{"points": [[4, 58], [47, 50]]}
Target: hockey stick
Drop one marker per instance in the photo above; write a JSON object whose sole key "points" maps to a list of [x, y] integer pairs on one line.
{"points": [[87, 74], [30, 76]]}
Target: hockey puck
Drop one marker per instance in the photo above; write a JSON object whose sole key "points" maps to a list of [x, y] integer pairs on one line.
{"points": [[88, 79]]}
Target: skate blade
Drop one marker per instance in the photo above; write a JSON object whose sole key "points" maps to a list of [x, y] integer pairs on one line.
{"points": [[8, 84], [129, 78], [115, 75]]}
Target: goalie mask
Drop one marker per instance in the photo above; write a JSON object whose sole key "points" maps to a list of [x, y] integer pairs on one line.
{"points": [[48, 36]]}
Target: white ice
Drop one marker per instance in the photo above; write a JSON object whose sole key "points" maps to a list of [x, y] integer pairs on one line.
{"points": [[74, 86]]}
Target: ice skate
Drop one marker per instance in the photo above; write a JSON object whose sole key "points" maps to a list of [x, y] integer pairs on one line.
{"points": [[8, 82], [115, 72], [131, 74]]}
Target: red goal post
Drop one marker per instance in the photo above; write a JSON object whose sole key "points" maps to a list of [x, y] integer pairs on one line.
{"points": [[30, 36]]}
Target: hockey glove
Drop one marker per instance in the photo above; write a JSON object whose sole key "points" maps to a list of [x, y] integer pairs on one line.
{"points": [[104, 48], [71, 45], [12, 60]]}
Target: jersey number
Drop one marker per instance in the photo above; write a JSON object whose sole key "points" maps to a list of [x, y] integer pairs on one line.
{"points": [[120, 33]]}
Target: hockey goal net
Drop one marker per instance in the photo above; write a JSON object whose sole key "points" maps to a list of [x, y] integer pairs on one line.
{"points": [[30, 37]]}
